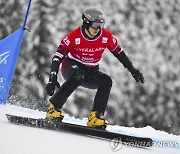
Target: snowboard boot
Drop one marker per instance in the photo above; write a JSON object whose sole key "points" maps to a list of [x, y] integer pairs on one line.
{"points": [[54, 114], [94, 121]]}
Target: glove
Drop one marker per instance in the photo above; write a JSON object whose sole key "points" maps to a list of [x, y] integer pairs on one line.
{"points": [[52, 84], [138, 76]]}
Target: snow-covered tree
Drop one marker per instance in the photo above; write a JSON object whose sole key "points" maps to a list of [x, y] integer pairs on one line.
{"points": [[148, 31]]}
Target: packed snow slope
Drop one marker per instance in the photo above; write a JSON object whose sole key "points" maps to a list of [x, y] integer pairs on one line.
{"points": [[16, 139]]}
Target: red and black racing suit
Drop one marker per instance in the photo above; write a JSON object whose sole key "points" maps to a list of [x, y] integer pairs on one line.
{"points": [[80, 58]]}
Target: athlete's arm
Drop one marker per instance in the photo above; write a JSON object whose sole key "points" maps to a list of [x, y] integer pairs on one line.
{"points": [[56, 60], [123, 58], [58, 57]]}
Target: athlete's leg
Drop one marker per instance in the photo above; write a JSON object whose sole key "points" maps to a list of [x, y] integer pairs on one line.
{"points": [[75, 77], [103, 83]]}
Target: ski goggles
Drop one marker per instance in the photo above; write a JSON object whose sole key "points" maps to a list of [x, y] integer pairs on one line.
{"points": [[97, 25]]}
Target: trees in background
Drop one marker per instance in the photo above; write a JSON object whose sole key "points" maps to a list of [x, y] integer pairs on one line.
{"points": [[147, 30]]}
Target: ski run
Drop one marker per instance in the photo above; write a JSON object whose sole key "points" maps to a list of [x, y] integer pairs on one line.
{"points": [[19, 139]]}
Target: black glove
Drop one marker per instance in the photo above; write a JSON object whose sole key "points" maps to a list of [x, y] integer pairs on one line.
{"points": [[138, 76], [52, 84]]}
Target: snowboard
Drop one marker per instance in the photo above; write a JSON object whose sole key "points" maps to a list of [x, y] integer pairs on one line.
{"points": [[81, 130]]}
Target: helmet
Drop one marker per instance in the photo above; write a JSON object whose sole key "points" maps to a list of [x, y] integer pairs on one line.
{"points": [[93, 18]]}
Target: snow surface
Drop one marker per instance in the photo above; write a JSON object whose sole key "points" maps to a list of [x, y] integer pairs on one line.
{"points": [[16, 139]]}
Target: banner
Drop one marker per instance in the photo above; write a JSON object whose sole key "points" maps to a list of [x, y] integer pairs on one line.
{"points": [[9, 52]]}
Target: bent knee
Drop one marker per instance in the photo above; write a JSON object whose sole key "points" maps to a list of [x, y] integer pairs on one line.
{"points": [[106, 80]]}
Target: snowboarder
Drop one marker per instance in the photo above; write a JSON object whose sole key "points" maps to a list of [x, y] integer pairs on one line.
{"points": [[79, 53]]}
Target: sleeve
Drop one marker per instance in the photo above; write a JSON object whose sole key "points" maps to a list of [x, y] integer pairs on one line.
{"points": [[112, 43], [67, 41], [65, 46], [118, 52]]}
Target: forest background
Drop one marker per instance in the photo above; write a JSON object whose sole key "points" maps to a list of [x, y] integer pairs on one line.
{"points": [[148, 31]]}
